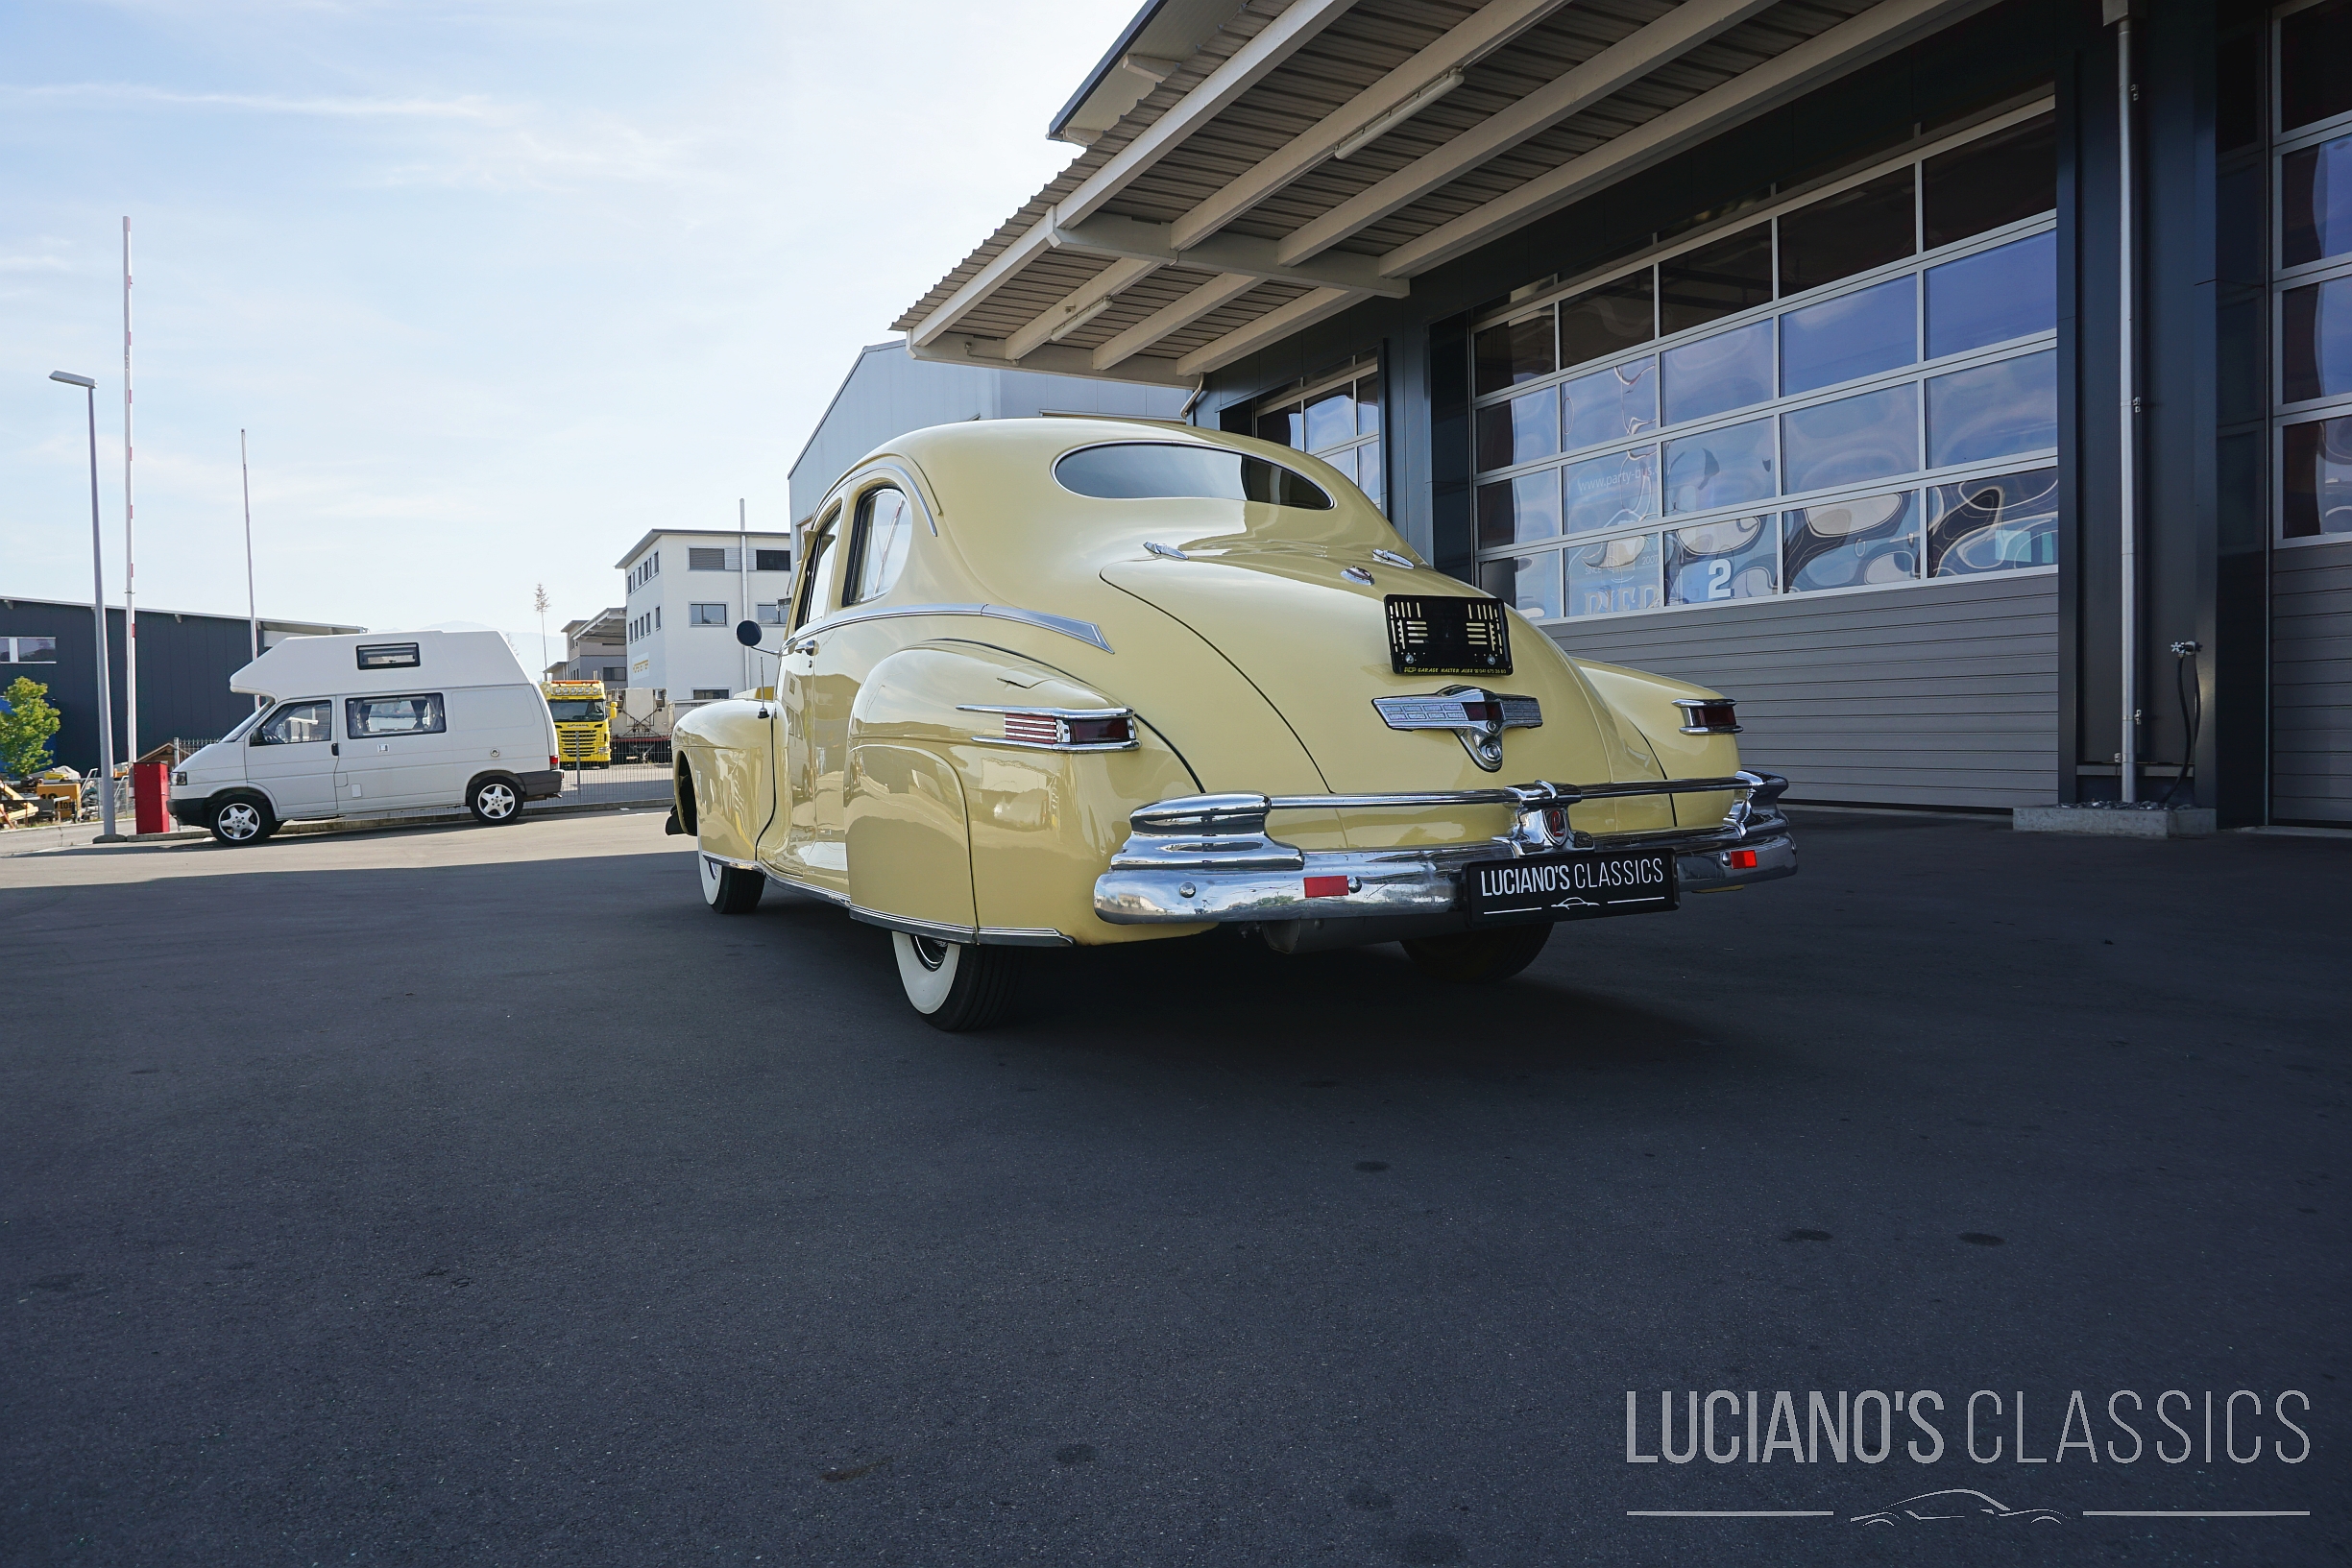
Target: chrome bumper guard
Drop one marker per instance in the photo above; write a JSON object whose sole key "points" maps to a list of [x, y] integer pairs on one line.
{"points": [[1207, 857]]}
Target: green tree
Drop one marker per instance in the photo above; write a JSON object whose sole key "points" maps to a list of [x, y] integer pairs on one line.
{"points": [[26, 725]]}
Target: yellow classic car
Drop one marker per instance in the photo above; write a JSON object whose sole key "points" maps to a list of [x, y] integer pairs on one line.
{"points": [[1071, 681]]}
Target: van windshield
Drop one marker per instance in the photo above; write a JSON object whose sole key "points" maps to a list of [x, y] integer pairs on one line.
{"points": [[244, 724], [576, 710]]}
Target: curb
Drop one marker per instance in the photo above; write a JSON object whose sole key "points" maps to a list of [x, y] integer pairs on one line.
{"points": [[83, 835]]}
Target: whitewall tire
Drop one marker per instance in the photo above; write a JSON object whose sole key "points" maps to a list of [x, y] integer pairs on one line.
{"points": [[731, 890], [955, 986]]}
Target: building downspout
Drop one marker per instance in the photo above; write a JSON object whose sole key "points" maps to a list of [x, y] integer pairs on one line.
{"points": [[2127, 494]]}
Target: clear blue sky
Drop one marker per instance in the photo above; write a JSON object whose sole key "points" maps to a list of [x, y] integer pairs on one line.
{"points": [[494, 288]]}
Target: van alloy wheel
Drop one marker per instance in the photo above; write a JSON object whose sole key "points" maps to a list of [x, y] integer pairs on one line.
{"points": [[240, 822], [957, 986], [496, 801]]}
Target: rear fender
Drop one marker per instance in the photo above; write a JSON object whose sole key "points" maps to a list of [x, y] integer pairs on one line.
{"points": [[1645, 705], [931, 788]]}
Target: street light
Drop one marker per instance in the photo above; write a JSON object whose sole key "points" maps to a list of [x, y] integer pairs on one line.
{"points": [[98, 616]]}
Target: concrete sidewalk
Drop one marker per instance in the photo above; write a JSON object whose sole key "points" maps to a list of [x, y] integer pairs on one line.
{"points": [[76, 835]]}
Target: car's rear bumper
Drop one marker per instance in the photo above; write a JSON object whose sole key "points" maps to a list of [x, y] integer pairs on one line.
{"points": [[541, 783], [1207, 859]]}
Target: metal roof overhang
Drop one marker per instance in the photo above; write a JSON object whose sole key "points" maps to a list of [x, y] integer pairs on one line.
{"points": [[1306, 154]]}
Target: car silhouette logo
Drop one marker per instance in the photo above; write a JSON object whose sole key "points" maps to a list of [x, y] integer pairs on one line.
{"points": [[1959, 1503]]}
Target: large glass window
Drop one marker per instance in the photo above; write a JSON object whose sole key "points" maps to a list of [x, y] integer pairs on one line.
{"points": [[1857, 390], [417, 715], [1337, 420], [2311, 274]]}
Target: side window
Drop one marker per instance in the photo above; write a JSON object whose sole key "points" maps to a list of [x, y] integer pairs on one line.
{"points": [[296, 723], [886, 529], [816, 573], [371, 716]]}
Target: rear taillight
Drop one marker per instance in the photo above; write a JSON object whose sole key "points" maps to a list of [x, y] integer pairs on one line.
{"points": [[1740, 860], [555, 761], [1061, 729], [1708, 715]]}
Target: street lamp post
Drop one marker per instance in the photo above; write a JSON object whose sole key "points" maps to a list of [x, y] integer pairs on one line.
{"points": [[98, 616]]}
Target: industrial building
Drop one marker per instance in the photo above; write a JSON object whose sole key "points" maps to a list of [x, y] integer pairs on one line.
{"points": [[594, 649], [1966, 387], [186, 660], [888, 392]]}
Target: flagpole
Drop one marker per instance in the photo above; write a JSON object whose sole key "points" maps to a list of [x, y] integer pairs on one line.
{"points": [[252, 617], [131, 580]]}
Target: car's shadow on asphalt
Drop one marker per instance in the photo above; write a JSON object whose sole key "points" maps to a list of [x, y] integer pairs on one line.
{"points": [[1227, 1004]]}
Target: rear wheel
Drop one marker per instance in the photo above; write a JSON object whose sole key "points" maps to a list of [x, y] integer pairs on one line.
{"points": [[1486, 955], [495, 800], [957, 986], [731, 890], [239, 822]]}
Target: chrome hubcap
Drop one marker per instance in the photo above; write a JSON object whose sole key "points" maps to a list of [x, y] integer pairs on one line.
{"points": [[928, 953]]}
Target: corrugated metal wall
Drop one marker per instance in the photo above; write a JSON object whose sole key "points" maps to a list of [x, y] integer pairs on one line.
{"points": [[2310, 683], [1946, 694]]}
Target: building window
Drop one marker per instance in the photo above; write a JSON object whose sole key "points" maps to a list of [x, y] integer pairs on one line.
{"points": [[2311, 274], [29, 650], [706, 614], [770, 611], [772, 561], [645, 570], [699, 558], [1859, 390], [1338, 421], [710, 693]]}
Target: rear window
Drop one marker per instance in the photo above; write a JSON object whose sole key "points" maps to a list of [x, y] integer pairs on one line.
{"points": [[1159, 470]]}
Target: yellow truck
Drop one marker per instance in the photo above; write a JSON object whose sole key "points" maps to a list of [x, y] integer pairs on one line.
{"points": [[583, 722]]}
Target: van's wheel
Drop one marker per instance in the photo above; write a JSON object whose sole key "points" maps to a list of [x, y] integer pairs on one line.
{"points": [[731, 890], [1486, 955], [237, 822], [957, 986], [495, 800]]}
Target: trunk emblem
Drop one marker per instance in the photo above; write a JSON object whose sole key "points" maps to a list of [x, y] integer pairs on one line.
{"points": [[1477, 716]]}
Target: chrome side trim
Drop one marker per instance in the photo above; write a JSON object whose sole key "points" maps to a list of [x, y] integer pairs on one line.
{"points": [[839, 901], [726, 860], [1084, 631], [940, 931], [1392, 557], [1049, 712], [1024, 937]]}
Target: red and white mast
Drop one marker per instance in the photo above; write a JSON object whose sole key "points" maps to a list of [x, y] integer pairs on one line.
{"points": [[131, 590]]}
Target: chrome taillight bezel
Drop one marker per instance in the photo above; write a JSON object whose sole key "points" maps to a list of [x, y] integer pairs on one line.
{"points": [[1025, 727], [1709, 716]]}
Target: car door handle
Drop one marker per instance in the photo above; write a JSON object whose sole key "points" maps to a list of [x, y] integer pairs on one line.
{"points": [[334, 748]]}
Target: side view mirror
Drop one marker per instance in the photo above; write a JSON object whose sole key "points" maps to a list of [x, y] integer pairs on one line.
{"points": [[747, 633]]}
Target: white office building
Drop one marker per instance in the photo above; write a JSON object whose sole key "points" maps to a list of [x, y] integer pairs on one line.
{"points": [[686, 592]]}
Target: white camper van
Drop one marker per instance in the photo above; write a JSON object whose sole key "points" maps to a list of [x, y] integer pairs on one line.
{"points": [[383, 721]]}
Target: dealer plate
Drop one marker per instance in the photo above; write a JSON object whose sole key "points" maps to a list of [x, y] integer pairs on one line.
{"points": [[1571, 886], [1434, 635]]}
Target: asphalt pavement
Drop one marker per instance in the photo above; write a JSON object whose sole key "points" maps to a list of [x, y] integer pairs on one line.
{"points": [[477, 1195]]}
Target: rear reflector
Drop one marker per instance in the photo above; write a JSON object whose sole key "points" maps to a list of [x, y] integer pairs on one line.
{"points": [[1326, 887], [1099, 732], [1061, 730], [1038, 729], [1711, 716], [1741, 860]]}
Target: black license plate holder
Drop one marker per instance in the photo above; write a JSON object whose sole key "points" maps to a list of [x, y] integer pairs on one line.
{"points": [[1433, 633], [1576, 887]]}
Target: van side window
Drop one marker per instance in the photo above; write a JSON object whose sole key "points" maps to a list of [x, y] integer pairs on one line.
{"points": [[296, 723], [816, 572], [885, 528], [420, 714], [387, 656]]}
